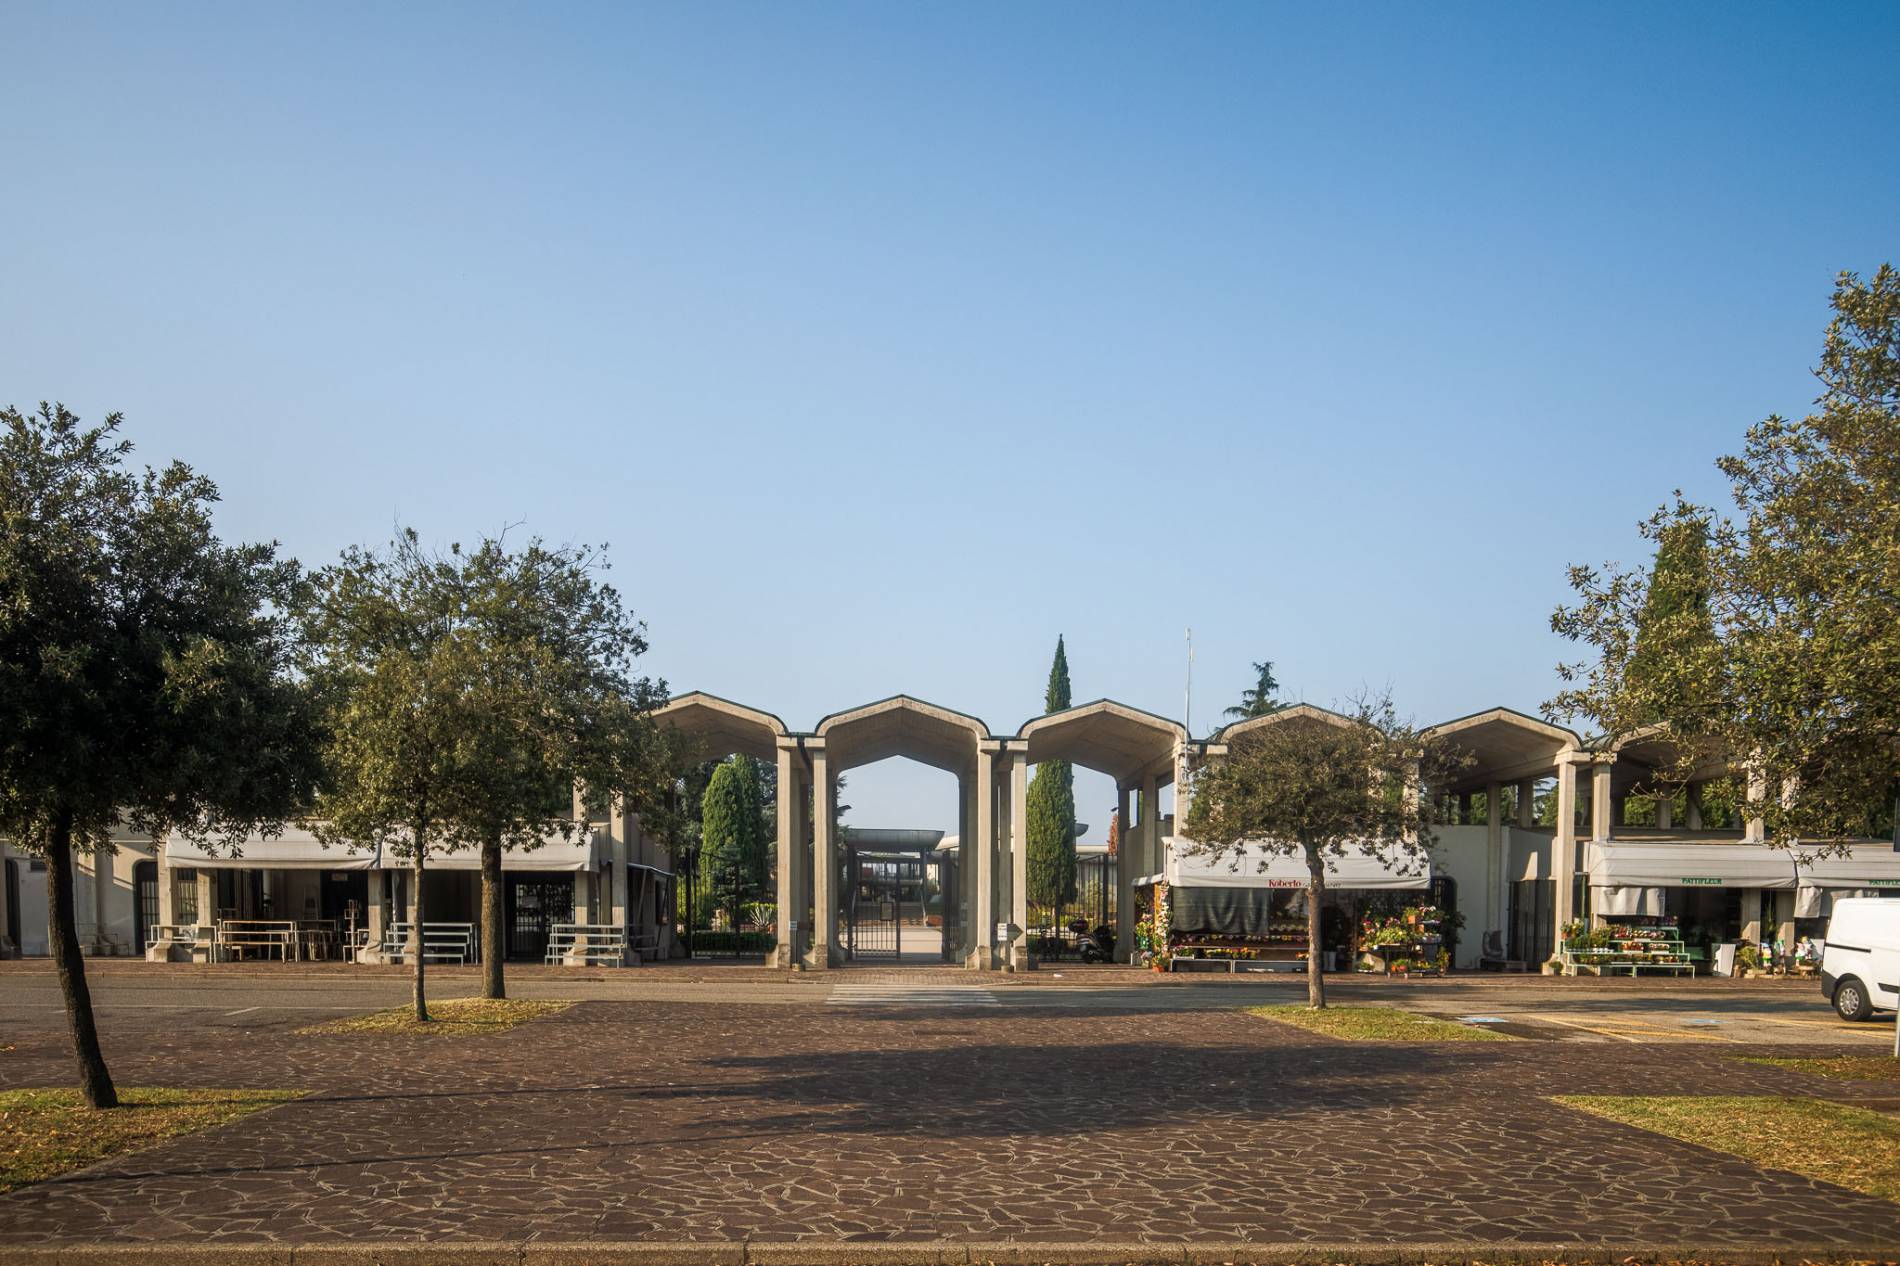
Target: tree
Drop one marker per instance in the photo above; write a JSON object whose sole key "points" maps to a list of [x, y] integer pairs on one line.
{"points": [[1789, 667], [1051, 808], [552, 704], [144, 671], [1260, 698], [733, 829], [1316, 785]]}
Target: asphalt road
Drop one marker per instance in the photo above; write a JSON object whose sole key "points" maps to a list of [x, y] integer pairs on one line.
{"points": [[1707, 1011]]}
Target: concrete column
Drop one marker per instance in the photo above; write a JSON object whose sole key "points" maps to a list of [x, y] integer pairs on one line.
{"points": [[584, 882], [1021, 958], [787, 808], [1124, 880], [377, 914], [1665, 808], [1600, 807], [1563, 851], [620, 899], [207, 898], [167, 904], [983, 881], [1784, 918], [966, 865], [1151, 862], [1527, 803], [824, 861], [1494, 859], [1692, 813], [1751, 915], [1755, 831]]}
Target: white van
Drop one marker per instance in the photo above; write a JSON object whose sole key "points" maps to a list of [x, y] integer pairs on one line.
{"points": [[1860, 960]]}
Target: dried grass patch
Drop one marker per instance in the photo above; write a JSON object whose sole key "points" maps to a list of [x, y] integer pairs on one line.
{"points": [[46, 1133], [448, 1017], [1378, 1024]]}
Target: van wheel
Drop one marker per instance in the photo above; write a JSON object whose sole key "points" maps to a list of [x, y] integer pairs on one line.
{"points": [[1850, 1000]]}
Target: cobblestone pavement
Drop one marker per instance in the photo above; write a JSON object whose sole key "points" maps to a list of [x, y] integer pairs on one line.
{"points": [[681, 1121]]}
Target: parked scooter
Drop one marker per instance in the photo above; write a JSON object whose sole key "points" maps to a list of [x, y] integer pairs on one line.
{"points": [[1096, 946]]}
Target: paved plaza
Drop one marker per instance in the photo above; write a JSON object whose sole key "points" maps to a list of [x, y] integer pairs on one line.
{"points": [[747, 1106]]}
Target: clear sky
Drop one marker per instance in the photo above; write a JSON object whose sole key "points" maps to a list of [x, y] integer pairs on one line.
{"points": [[883, 343]]}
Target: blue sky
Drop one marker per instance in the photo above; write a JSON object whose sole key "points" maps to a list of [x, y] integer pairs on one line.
{"points": [[886, 342]]}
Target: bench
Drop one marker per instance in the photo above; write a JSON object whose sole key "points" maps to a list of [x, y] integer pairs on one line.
{"points": [[591, 944], [237, 938], [441, 942]]}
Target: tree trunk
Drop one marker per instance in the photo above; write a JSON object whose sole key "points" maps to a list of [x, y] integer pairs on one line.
{"points": [[416, 943], [95, 1082], [1315, 894], [492, 986]]}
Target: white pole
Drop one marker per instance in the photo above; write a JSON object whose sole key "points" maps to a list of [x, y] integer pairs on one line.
{"points": [[1187, 721]]}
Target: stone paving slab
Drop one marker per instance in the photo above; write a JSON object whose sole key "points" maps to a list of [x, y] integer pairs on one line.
{"points": [[725, 1126]]}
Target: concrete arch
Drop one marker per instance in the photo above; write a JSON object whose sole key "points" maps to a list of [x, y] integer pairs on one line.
{"points": [[1505, 746], [902, 726], [719, 727], [716, 728], [1123, 742], [1300, 712]]}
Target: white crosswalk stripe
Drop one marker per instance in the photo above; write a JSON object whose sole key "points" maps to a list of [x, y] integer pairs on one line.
{"points": [[911, 996]]}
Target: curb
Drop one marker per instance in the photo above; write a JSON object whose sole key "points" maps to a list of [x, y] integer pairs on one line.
{"points": [[917, 1253]]}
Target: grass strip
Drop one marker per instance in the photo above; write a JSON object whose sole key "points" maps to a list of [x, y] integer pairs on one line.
{"points": [[448, 1017], [46, 1133], [1845, 1067], [1832, 1142], [1378, 1024]]}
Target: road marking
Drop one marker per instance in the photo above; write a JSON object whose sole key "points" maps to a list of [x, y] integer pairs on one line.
{"points": [[241, 1011], [911, 996]]}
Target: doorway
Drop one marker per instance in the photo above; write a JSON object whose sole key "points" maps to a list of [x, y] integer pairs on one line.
{"points": [[533, 904]]}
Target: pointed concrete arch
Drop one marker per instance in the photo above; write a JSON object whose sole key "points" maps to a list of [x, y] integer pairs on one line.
{"points": [[716, 728], [1505, 746], [1143, 753], [1109, 737], [719, 727], [902, 726], [945, 739], [1294, 713]]}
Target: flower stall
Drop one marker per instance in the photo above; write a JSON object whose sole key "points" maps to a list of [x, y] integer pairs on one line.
{"points": [[1410, 942]]}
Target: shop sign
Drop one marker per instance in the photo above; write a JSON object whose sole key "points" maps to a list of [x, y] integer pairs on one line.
{"points": [[1883, 883], [1704, 882], [1286, 883]]}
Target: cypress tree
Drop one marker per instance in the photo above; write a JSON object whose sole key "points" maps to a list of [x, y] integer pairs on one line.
{"points": [[1052, 808]]}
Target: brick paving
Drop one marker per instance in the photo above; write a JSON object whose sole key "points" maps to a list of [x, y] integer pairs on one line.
{"points": [[693, 1121]]}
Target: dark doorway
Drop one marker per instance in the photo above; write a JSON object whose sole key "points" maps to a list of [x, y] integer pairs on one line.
{"points": [[10, 892], [533, 904], [145, 887]]}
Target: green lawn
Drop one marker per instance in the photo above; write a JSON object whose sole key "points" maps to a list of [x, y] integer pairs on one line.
{"points": [[1848, 1067], [448, 1017], [45, 1133], [1849, 1147], [1378, 1024]]}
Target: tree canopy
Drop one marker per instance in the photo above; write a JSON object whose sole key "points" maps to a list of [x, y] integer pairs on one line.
{"points": [[1260, 698], [145, 669], [734, 839], [1784, 657], [1319, 785]]}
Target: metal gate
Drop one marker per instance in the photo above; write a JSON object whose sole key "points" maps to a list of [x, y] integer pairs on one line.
{"points": [[717, 913], [533, 904], [874, 926]]}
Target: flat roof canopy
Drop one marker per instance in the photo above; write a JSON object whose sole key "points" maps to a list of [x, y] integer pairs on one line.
{"points": [[1111, 738], [719, 727], [902, 726]]}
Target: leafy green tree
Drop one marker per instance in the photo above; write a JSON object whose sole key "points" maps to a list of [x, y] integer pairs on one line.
{"points": [[553, 704], [1794, 672], [732, 829], [144, 671], [1051, 808], [1317, 785], [1260, 698]]}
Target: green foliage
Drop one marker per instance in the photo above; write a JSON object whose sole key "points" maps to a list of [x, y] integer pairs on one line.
{"points": [[1260, 698], [1783, 656], [736, 851], [144, 664], [1051, 808], [144, 670]]}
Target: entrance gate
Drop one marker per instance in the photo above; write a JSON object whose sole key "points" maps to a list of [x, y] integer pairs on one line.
{"points": [[874, 925], [533, 903]]}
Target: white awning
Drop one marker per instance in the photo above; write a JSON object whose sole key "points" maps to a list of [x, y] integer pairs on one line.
{"points": [[299, 849], [1260, 866], [1624, 903], [295, 849], [554, 854], [1738, 865]]}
